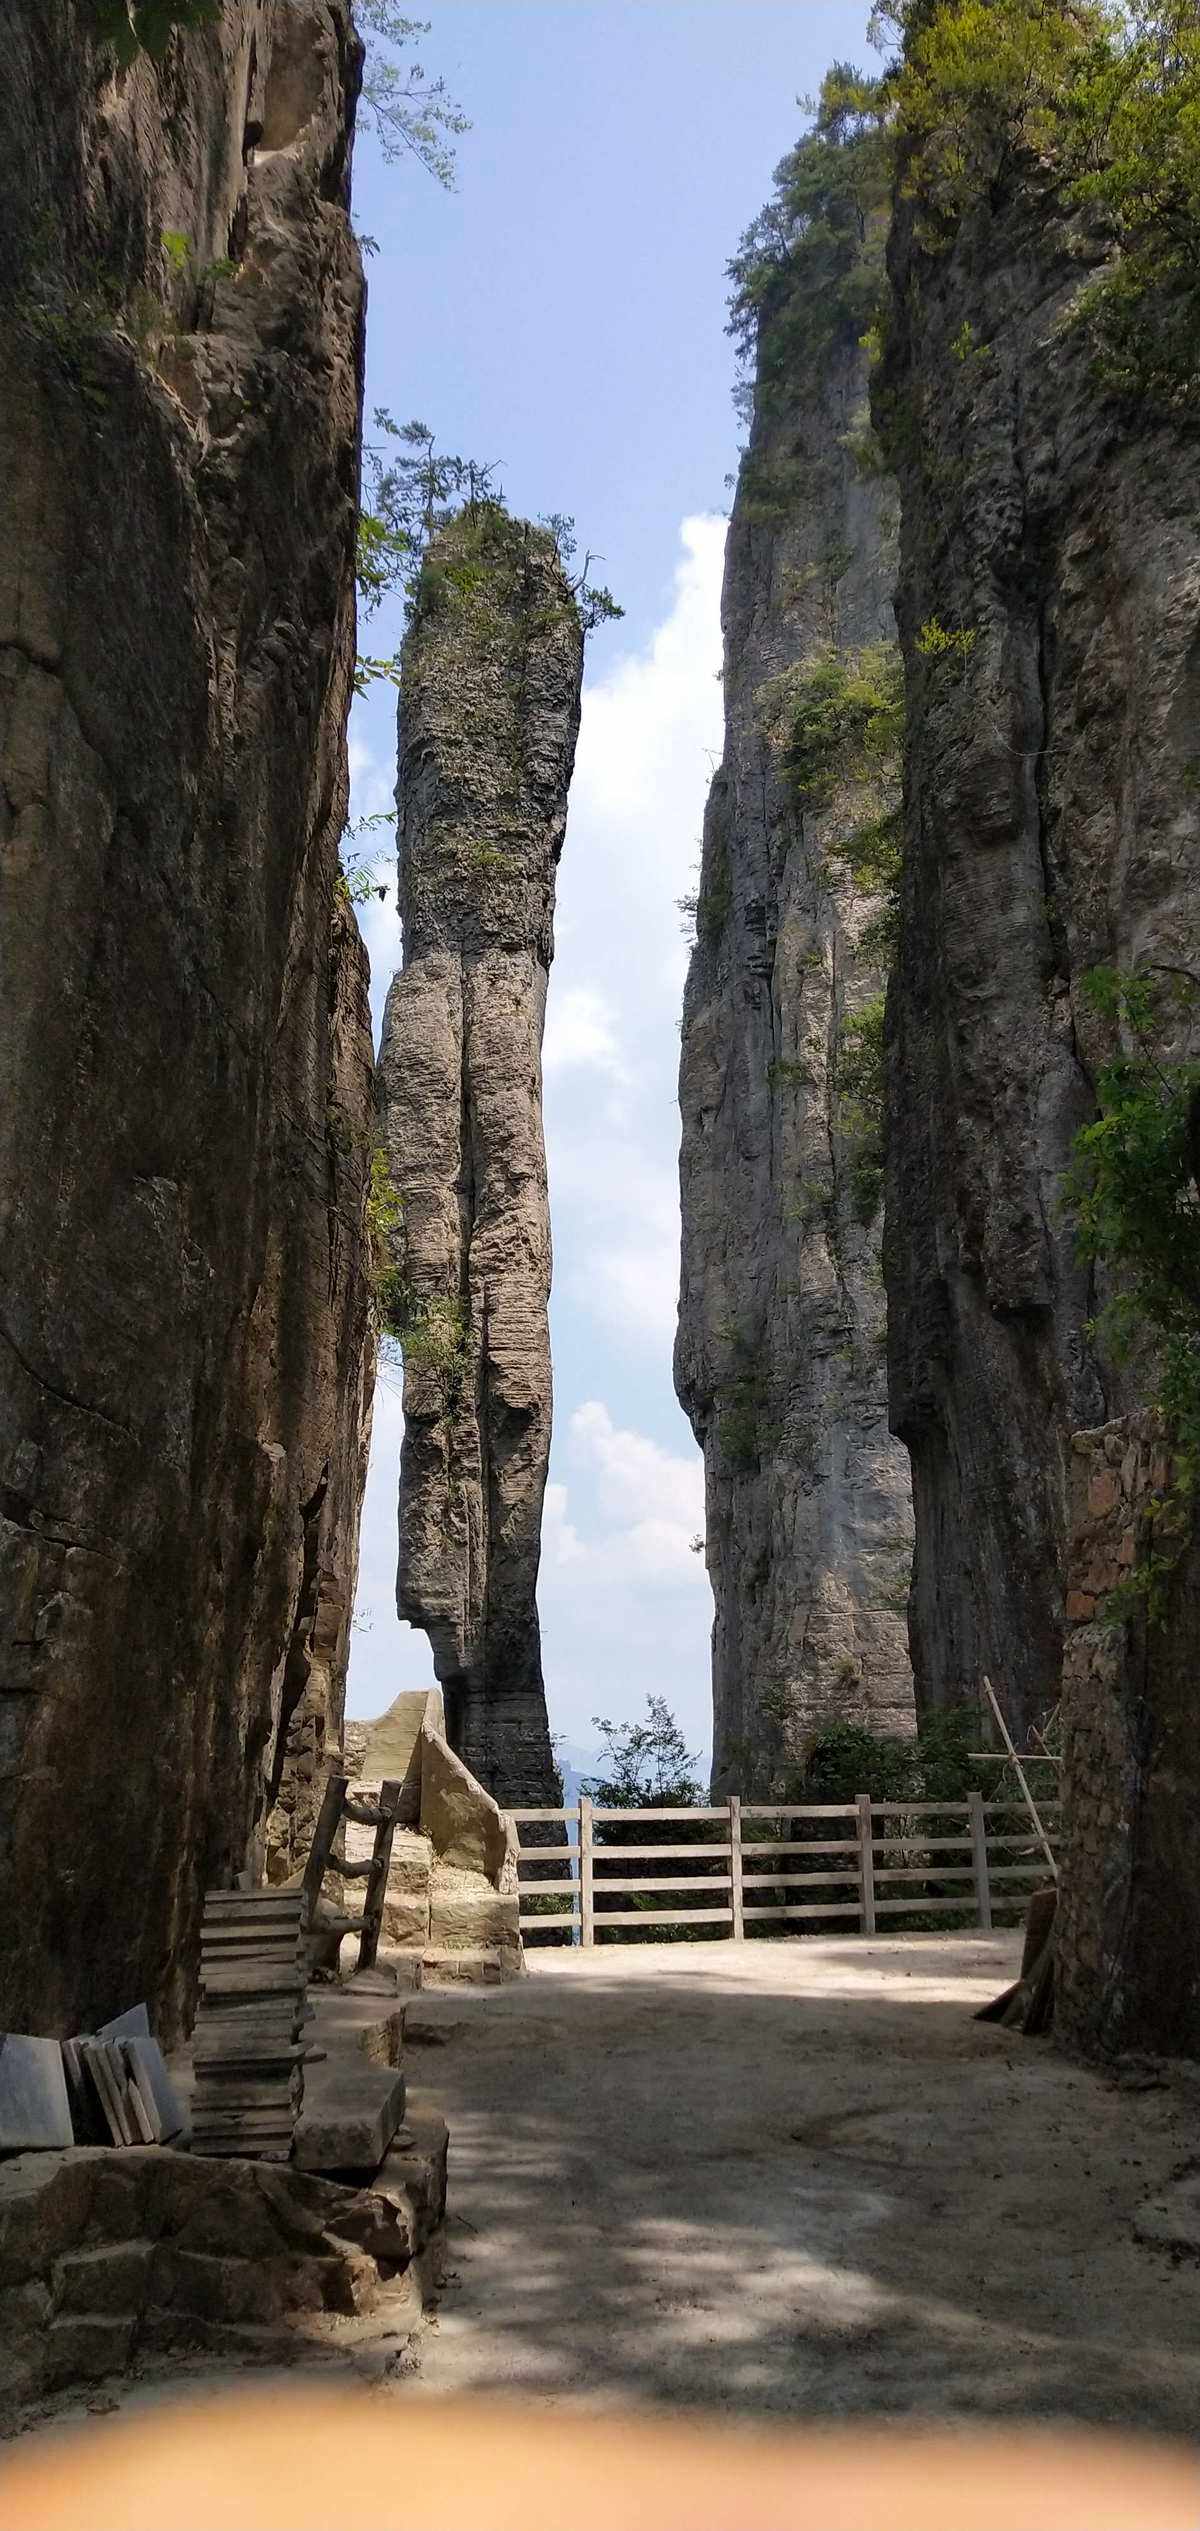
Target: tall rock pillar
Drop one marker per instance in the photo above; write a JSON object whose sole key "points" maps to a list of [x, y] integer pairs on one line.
{"points": [[489, 715], [779, 1361]]}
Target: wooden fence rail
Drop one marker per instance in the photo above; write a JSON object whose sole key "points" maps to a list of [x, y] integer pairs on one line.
{"points": [[887, 1853]]}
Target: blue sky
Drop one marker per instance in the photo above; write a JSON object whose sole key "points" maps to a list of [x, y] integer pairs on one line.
{"points": [[563, 312]]}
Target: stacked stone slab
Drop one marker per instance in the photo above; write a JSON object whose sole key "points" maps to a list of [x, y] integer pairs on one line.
{"points": [[489, 712], [452, 1904], [185, 1052]]}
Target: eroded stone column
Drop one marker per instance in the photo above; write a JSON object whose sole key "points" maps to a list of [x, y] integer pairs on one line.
{"points": [[489, 715]]}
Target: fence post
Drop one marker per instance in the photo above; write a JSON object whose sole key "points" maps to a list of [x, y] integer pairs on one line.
{"points": [[979, 1857], [735, 1865], [866, 1863], [586, 1925]]}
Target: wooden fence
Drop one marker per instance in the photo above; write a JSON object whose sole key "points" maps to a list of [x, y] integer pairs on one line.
{"points": [[877, 1862]]}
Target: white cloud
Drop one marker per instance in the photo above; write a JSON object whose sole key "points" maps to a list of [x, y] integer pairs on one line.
{"points": [[581, 1031]]}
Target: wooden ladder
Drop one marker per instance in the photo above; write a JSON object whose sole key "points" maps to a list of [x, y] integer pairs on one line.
{"points": [[339, 1804]]}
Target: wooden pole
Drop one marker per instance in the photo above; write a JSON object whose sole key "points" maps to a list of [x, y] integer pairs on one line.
{"points": [[866, 1862], [328, 1823], [1031, 1805], [377, 1878], [587, 1928], [735, 1866], [979, 1857]]}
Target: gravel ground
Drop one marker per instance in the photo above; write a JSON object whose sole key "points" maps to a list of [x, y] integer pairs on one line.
{"points": [[799, 2179]]}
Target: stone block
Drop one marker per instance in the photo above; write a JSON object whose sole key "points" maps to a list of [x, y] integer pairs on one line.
{"points": [[466, 1913], [84, 2347], [144, 2058], [349, 2115], [416, 2169], [466, 1826], [109, 2282], [411, 1864], [392, 1748], [35, 2112], [405, 1922], [45, 2209], [472, 1968]]}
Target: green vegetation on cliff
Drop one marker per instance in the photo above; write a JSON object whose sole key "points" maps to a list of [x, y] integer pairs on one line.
{"points": [[807, 273], [1134, 1189], [1101, 102]]}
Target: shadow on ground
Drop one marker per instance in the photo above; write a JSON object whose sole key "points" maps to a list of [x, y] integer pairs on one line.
{"points": [[799, 2179]]}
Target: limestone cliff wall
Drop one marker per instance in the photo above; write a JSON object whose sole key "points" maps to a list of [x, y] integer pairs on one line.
{"points": [[184, 1043], [489, 713], [1127, 1970], [1049, 607], [780, 1353]]}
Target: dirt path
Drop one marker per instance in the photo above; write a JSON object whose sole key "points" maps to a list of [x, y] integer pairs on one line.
{"points": [[798, 2179]]}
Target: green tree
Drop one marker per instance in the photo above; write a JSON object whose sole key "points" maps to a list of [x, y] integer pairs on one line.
{"points": [[1134, 1188], [647, 1766], [809, 268], [1102, 99], [406, 109]]}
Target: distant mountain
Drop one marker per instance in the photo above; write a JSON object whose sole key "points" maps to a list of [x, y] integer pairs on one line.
{"points": [[573, 1764]]}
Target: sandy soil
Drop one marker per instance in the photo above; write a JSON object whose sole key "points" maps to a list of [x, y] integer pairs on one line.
{"points": [[799, 2179]]}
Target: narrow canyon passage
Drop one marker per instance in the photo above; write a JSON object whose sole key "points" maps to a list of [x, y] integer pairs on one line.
{"points": [[804, 2183]]}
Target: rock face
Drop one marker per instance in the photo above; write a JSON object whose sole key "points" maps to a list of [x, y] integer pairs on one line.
{"points": [[1127, 1967], [184, 1041], [1048, 605], [489, 714], [779, 1361]]}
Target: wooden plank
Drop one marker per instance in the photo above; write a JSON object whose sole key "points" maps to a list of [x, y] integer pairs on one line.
{"points": [[689, 1880], [541, 1814], [377, 1878], [735, 1860], [924, 1906], [329, 1820], [866, 1862], [1018, 1770], [925, 1872], [94, 2053], [659, 1916], [552, 1889], [587, 1899], [979, 1845], [921, 1810], [651, 1917], [922, 1845], [546, 1924], [1018, 1872], [649, 1852], [622, 1812], [802, 1880], [840, 1910], [792, 1810], [1000, 1757], [254, 1902], [802, 1845]]}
